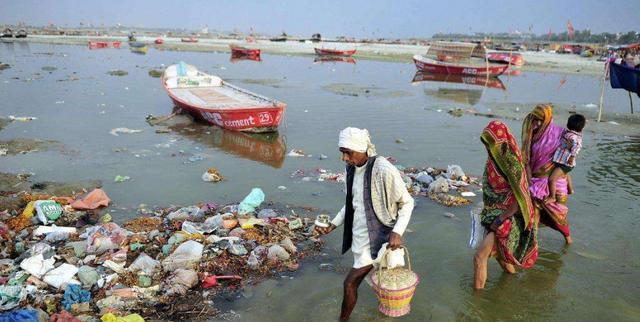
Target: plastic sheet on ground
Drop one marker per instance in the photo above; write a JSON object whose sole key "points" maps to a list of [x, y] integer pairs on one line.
{"points": [[251, 201], [95, 199]]}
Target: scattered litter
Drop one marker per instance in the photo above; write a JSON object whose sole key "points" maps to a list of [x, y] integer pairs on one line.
{"points": [[467, 194], [282, 188], [120, 178], [123, 130], [212, 175], [117, 72], [613, 123], [22, 118], [296, 153]]}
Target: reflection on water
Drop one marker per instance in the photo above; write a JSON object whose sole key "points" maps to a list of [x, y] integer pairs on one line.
{"points": [[266, 148], [464, 93], [618, 166], [235, 58], [527, 295], [334, 59]]}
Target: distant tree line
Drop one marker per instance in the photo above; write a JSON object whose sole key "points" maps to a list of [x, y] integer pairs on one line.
{"points": [[580, 36]]}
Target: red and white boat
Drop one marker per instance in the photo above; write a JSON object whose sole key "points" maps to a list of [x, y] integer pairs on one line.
{"points": [[334, 52], [243, 51], [514, 59], [159, 41], [457, 58], [189, 39], [103, 44], [210, 99], [434, 66]]}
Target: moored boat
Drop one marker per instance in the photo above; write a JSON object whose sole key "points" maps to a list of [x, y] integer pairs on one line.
{"points": [[189, 39], [21, 33], [334, 52], [434, 66], [103, 44], [243, 51], [510, 58], [210, 99], [159, 41], [457, 58]]}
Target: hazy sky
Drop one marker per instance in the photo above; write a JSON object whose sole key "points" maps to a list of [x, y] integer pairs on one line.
{"points": [[359, 18]]}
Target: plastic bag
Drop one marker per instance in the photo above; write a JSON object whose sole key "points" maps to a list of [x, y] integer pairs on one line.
{"points": [[186, 213], [11, 296], [393, 260], [88, 275], [477, 230], [74, 294], [441, 185], [95, 199], [424, 178], [181, 281], [454, 172], [187, 254], [277, 252], [37, 265], [145, 264], [43, 230], [61, 275], [251, 201], [47, 210]]}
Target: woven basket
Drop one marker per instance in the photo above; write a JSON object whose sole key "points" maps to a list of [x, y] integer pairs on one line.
{"points": [[395, 287]]}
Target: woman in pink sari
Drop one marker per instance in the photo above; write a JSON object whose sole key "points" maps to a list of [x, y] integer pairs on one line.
{"points": [[540, 139]]}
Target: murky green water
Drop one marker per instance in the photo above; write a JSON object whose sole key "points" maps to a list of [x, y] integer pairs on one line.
{"points": [[594, 279]]}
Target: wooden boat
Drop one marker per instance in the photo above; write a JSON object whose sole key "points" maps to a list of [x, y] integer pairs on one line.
{"points": [[21, 33], [514, 59], [214, 101], [334, 52], [7, 33], [138, 48], [431, 65], [243, 51], [490, 82], [457, 58], [189, 39], [159, 41], [103, 44], [334, 59], [278, 39]]}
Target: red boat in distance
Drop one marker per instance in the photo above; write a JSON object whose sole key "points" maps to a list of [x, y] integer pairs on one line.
{"points": [[103, 44], [243, 51], [334, 52], [509, 58], [189, 39], [490, 82], [334, 59], [457, 58], [159, 41], [210, 99]]}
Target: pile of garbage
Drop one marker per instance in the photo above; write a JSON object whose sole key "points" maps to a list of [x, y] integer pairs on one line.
{"points": [[62, 260], [450, 187]]}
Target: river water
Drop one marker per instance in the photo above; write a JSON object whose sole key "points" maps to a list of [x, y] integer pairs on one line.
{"points": [[594, 279]]}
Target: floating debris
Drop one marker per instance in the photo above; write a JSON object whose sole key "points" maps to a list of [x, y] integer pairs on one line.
{"points": [[118, 72], [155, 73], [123, 130]]}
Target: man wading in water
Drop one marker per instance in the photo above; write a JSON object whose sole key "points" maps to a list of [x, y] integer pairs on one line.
{"points": [[377, 209]]}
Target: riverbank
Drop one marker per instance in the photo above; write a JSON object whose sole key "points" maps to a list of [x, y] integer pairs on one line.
{"points": [[534, 61]]}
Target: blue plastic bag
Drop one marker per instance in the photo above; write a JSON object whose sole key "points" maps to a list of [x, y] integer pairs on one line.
{"points": [[251, 201]]}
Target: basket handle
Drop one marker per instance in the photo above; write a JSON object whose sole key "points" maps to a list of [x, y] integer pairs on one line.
{"points": [[385, 256]]}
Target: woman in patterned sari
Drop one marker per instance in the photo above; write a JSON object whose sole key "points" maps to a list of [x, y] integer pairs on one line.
{"points": [[540, 139], [508, 214]]}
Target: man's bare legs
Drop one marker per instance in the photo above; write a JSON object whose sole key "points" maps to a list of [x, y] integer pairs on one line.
{"points": [[351, 284]]}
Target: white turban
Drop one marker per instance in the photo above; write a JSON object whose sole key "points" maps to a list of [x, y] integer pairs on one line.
{"points": [[356, 139]]}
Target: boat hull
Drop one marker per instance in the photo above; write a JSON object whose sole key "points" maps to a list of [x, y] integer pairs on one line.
{"points": [[256, 120], [241, 51], [433, 66], [514, 59], [332, 52]]}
